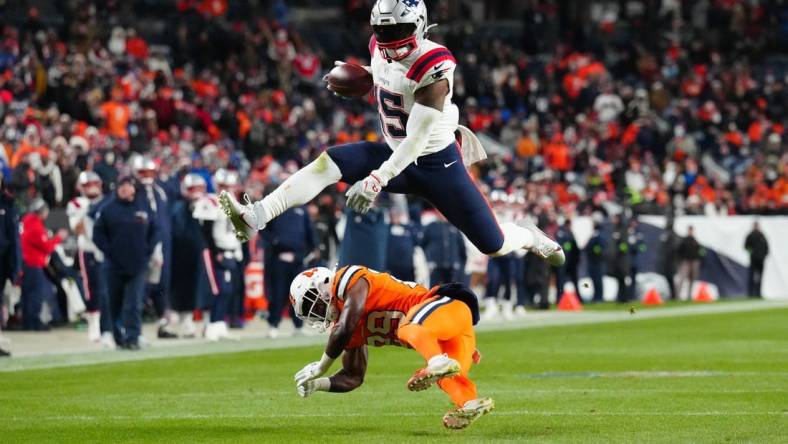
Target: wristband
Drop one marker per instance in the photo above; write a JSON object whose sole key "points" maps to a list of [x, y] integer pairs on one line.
{"points": [[325, 362], [322, 384]]}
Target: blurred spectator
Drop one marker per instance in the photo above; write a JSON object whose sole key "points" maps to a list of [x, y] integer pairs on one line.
{"points": [[444, 247], [364, 240], [127, 233], [10, 248], [401, 247], [619, 258], [500, 275], [160, 267], [223, 256], [287, 241], [37, 246], [669, 242], [89, 258], [689, 253], [637, 246], [595, 258], [189, 291], [570, 271], [758, 248], [537, 280]]}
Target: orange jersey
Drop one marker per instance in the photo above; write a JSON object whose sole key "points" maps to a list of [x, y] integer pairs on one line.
{"points": [[117, 117], [388, 301]]}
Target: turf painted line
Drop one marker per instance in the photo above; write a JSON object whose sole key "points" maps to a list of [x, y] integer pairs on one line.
{"points": [[63, 356], [196, 416]]}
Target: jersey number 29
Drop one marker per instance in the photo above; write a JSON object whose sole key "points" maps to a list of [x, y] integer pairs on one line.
{"points": [[382, 326]]}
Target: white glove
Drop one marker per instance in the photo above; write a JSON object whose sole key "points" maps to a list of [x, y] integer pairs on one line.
{"points": [[313, 370], [362, 194], [315, 385]]}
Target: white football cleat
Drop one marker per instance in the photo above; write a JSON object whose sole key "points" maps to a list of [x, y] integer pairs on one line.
{"points": [[543, 246], [491, 310], [519, 312], [188, 328], [94, 328], [215, 331], [507, 311], [462, 417], [107, 340], [273, 333], [438, 367], [242, 216]]}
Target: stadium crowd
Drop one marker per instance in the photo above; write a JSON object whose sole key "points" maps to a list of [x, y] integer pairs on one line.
{"points": [[645, 107]]}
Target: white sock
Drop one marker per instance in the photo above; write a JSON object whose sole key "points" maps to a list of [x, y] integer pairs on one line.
{"points": [[299, 188], [515, 237]]}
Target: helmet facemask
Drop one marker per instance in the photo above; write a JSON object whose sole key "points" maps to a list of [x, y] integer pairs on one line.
{"points": [[396, 42], [399, 27], [310, 295], [317, 310]]}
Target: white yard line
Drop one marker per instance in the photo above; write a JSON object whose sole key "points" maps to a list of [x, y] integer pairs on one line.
{"points": [[338, 415], [68, 349]]}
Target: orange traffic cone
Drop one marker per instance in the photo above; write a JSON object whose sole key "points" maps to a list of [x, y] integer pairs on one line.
{"points": [[569, 301], [702, 294], [652, 297]]}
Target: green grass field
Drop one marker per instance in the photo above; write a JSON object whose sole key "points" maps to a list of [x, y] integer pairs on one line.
{"points": [[700, 378]]}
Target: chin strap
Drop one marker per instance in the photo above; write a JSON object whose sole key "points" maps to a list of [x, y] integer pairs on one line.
{"points": [[427, 29]]}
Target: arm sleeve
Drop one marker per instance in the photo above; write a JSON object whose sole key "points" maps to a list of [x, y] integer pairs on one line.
{"points": [[421, 122]]}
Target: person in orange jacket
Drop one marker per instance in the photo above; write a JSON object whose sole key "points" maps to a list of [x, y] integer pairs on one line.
{"points": [[37, 245]]}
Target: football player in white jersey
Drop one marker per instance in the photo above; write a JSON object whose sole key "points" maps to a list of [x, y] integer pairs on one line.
{"points": [[223, 256], [89, 256], [413, 83]]}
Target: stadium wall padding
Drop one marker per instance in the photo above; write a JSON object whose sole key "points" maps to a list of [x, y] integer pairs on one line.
{"points": [[727, 262]]}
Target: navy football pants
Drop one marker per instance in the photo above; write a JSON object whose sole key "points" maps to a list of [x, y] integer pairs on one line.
{"points": [[440, 178]]}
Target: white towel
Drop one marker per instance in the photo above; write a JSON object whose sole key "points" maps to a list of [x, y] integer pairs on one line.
{"points": [[472, 149]]}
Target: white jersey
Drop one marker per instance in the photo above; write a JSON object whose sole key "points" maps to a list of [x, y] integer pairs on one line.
{"points": [[77, 212], [207, 209], [395, 87]]}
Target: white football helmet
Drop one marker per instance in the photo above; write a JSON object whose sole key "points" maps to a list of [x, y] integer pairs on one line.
{"points": [[89, 184], [310, 294], [224, 178], [144, 169], [193, 187], [399, 26]]}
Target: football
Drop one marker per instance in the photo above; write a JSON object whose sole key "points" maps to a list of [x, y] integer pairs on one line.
{"points": [[349, 80]]}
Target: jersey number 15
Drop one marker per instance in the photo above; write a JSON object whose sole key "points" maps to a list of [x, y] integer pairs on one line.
{"points": [[391, 109]]}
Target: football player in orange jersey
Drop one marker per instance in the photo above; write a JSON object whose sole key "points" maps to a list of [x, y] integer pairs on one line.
{"points": [[364, 307]]}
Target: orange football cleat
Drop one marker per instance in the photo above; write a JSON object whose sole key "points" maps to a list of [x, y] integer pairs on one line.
{"points": [[438, 367]]}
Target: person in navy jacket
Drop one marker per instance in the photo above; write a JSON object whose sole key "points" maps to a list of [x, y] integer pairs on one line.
{"points": [[444, 247], [126, 232], [402, 242], [287, 241], [10, 250]]}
